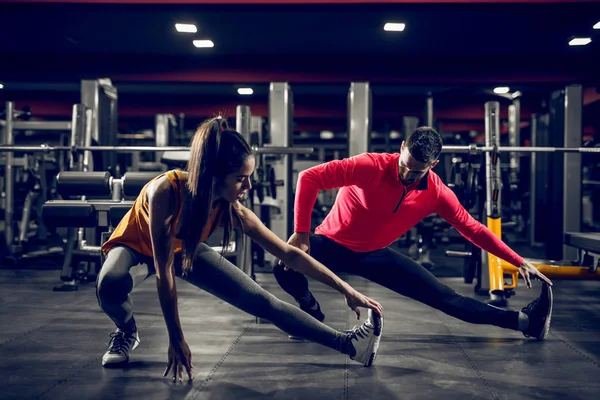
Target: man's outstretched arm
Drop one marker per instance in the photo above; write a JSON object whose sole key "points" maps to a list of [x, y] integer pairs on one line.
{"points": [[452, 211]]}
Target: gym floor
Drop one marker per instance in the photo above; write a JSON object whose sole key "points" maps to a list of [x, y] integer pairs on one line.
{"points": [[51, 344]]}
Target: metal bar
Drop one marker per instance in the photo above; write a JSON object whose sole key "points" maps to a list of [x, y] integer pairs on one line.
{"points": [[573, 136], [558, 270], [42, 125], [294, 150], [77, 135], [409, 125], [533, 183], [127, 149], [519, 149], [491, 264], [9, 180], [242, 121], [551, 149], [281, 131], [359, 118], [514, 138], [429, 119]]}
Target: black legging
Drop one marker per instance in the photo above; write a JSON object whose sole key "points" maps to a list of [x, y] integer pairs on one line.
{"points": [[399, 273], [124, 269]]}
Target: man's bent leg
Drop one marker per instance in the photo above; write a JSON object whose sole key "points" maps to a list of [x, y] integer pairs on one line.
{"points": [[295, 284]]}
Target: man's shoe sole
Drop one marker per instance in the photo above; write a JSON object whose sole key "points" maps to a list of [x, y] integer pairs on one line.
{"points": [[544, 333]]}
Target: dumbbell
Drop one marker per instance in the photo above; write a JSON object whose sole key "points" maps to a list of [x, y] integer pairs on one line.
{"points": [[270, 182]]}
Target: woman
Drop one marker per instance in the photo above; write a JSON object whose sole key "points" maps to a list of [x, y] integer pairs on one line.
{"points": [[164, 232]]}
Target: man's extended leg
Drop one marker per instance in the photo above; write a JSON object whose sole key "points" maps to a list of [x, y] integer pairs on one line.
{"points": [[405, 276], [328, 253]]}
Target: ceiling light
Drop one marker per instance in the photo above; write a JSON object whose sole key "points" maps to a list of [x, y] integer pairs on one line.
{"points": [[326, 135], [394, 27], [394, 135], [245, 91], [186, 28], [501, 90], [1, 86], [204, 43], [597, 26], [580, 41]]}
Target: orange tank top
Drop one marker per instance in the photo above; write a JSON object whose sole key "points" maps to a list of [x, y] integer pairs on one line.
{"points": [[134, 229]]}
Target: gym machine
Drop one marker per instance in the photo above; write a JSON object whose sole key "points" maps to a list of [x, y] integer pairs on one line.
{"points": [[281, 130], [166, 126], [28, 170], [577, 254], [101, 96]]}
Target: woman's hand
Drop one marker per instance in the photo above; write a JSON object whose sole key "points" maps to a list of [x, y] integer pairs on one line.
{"points": [[180, 357], [355, 300]]}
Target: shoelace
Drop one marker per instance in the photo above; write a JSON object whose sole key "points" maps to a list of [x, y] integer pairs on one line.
{"points": [[531, 306], [119, 342], [360, 331]]}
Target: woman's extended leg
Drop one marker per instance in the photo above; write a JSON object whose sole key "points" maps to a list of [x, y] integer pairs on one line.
{"points": [[221, 278]]}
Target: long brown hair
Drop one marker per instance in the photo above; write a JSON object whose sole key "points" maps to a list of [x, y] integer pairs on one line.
{"points": [[215, 152]]}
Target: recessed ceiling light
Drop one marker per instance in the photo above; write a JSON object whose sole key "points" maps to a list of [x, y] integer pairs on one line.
{"points": [[326, 135], [394, 135], [394, 27], [186, 28], [204, 43], [580, 41], [597, 26], [245, 91], [501, 90]]}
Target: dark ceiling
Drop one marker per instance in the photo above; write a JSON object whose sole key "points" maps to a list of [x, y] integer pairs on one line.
{"points": [[457, 50]]}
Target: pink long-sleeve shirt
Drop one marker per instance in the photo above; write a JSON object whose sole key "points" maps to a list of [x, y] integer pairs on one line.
{"points": [[373, 208]]}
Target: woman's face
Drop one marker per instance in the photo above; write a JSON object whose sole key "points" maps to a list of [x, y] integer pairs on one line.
{"points": [[237, 184]]}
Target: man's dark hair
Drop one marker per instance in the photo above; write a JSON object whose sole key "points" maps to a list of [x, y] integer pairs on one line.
{"points": [[425, 144]]}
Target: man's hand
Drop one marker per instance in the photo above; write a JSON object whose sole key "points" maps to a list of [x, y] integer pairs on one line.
{"points": [[527, 270], [180, 357], [300, 240], [355, 300]]}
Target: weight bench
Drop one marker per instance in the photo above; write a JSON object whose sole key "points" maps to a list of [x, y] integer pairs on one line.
{"points": [[92, 201], [105, 214], [589, 244]]}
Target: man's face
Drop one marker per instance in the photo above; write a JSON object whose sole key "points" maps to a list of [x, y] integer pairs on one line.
{"points": [[411, 170]]}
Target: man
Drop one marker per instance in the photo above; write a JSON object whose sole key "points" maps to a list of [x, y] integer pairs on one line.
{"points": [[382, 196]]}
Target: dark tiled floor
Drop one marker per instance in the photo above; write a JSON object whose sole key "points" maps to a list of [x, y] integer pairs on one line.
{"points": [[51, 345]]}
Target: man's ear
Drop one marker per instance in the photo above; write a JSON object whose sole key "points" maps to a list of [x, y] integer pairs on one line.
{"points": [[402, 147], [435, 163]]}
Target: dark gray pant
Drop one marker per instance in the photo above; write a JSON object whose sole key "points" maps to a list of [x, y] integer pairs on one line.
{"points": [[124, 269], [399, 273]]}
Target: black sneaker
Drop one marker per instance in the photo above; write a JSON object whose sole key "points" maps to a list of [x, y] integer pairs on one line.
{"points": [[314, 310], [539, 312]]}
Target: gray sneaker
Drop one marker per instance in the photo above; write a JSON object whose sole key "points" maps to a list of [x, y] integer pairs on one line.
{"points": [[366, 338], [119, 347]]}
